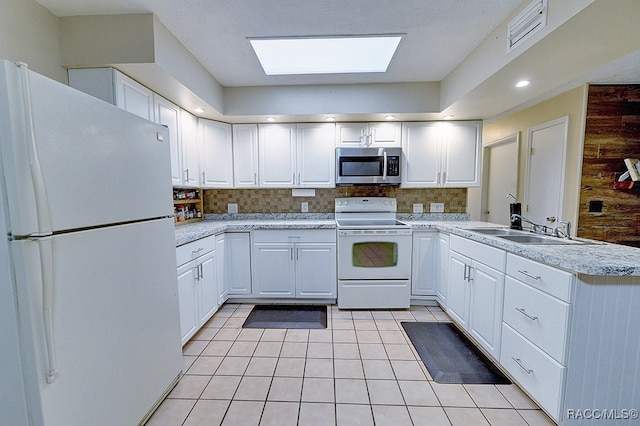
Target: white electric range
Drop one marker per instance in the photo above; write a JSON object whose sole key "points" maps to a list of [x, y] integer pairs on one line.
{"points": [[374, 254]]}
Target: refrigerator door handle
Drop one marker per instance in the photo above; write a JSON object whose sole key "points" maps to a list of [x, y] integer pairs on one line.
{"points": [[46, 268], [42, 203]]}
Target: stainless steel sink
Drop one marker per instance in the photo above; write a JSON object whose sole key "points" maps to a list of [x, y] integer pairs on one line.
{"points": [[541, 240], [496, 231]]}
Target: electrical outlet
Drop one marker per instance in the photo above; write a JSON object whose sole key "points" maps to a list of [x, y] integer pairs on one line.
{"points": [[436, 208], [232, 208], [304, 207], [418, 208]]}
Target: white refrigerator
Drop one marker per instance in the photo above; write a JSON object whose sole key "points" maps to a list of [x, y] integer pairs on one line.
{"points": [[89, 321]]}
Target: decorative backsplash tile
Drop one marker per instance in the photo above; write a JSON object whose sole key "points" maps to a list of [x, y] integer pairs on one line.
{"points": [[281, 200]]}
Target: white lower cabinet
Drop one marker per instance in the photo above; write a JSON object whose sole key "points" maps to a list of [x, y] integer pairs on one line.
{"points": [[294, 264], [425, 265], [476, 288], [238, 263], [198, 288], [442, 283]]}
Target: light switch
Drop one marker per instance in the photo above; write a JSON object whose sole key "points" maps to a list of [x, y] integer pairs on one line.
{"points": [[232, 208], [436, 208], [418, 208], [304, 207]]}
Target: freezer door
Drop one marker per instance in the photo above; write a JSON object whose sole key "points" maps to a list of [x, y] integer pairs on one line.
{"points": [[72, 161], [115, 329]]}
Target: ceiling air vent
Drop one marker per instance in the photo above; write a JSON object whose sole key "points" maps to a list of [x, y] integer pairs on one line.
{"points": [[530, 20]]}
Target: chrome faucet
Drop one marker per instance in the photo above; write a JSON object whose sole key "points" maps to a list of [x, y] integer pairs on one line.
{"points": [[563, 230], [538, 229]]}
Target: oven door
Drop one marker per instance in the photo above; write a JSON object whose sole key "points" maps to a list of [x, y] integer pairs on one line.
{"points": [[374, 254]]}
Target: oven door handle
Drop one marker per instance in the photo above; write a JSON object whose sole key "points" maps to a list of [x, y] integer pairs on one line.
{"points": [[384, 166]]}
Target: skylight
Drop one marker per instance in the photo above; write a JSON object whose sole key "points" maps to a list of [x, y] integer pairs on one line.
{"points": [[325, 55]]}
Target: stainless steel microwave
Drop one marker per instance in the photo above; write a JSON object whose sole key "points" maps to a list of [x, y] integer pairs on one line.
{"points": [[368, 166]]}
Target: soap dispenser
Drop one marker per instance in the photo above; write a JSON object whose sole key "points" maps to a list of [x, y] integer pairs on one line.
{"points": [[515, 208]]}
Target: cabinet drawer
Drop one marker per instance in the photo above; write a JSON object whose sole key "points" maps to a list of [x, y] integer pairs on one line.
{"points": [[543, 277], [190, 251], [294, 236], [490, 256], [535, 371], [540, 318]]}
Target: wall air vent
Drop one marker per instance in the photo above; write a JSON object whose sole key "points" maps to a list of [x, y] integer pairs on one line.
{"points": [[531, 19]]}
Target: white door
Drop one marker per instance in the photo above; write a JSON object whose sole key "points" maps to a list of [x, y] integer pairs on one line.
{"points": [[421, 155], [238, 251], [273, 270], [351, 134], [133, 97], [316, 270], [208, 282], [245, 155], [168, 115], [485, 312], [277, 159], [223, 279], [217, 156], [385, 134], [545, 172], [500, 177], [443, 278], [316, 156], [187, 280]]}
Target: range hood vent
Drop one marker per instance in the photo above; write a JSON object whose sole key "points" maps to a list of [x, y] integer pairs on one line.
{"points": [[531, 19]]}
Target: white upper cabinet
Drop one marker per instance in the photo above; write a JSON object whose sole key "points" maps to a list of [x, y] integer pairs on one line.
{"points": [[437, 154], [245, 155], [190, 150], [216, 161], [133, 97], [277, 158], [315, 156], [296, 156], [368, 135], [168, 114]]}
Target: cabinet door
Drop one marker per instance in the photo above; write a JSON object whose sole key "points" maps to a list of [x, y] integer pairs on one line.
{"points": [[443, 279], [277, 159], [485, 310], [187, 300], [351, 134], [208, 287], [168, 115], [315, 270], [222, 269], [424, 267], [273, 270], [216, 163], [385, 134], [461, 144], [458, 292], [238, 251], [421, 155], [190, 160], [133, 97], [245, 155], [315, 156]]}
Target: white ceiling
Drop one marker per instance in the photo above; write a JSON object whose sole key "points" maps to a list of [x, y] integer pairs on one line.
{"points": [[439, 33]]}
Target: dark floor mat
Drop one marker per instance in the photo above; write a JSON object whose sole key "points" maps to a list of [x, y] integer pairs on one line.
{"points": [[287, 316], [450, 356]]}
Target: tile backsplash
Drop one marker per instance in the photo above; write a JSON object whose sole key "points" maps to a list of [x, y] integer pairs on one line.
{"points": [[281, 200]]}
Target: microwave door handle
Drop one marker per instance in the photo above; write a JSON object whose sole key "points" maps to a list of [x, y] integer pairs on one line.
{"points": [[384, 167]]}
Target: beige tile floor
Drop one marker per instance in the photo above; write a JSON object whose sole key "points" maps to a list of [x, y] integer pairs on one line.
{"points": [[361, 370]]}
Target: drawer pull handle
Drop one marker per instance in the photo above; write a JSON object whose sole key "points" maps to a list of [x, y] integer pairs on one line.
{"points": [[519, 362], [523, 312], [197, 251], [529, 275]]}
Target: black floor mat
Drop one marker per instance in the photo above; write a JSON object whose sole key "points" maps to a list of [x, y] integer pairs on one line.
{"points": [[450, 356], [287, 316]]}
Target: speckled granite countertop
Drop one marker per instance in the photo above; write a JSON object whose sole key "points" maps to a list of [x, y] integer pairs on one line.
{"points": [[600, 259]]}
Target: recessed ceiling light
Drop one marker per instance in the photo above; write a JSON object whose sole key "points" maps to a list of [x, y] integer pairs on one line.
{"points": [[330, 119], [198, 110], [523, 83], [390, 117], [325, 55], [271, 119], [448, 117]]}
